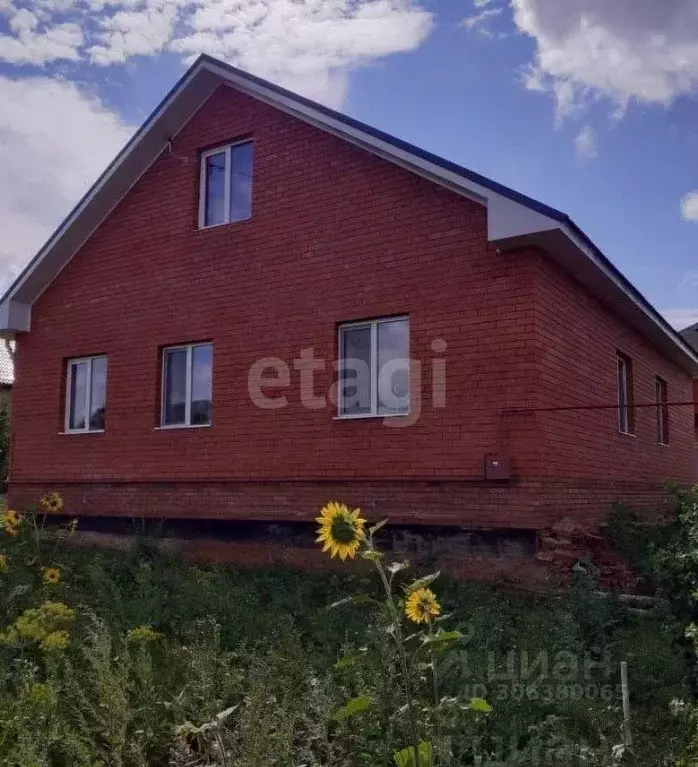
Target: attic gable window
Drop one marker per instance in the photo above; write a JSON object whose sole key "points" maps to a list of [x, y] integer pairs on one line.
{"points": [[225, 192]]}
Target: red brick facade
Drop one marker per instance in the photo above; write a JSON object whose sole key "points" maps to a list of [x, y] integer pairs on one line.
{"points": [[336, 235]]}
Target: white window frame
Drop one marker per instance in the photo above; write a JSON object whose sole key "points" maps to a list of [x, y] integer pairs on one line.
{"points": [[88, 394], [227, 148], [624, 381], [373, 324], [187, 387]]}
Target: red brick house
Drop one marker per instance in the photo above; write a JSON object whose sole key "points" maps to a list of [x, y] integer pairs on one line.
{"points": [[163, 334]]}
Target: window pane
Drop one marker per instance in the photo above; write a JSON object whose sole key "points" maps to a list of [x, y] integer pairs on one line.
{"points": [[355, 376], [98, 394], [201, 383], [174, 410], [78, 395], [393, 367], [215, 189], [241, 181]]}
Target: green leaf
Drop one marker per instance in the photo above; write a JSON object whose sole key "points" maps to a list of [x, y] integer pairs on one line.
{"points": [[341, 603], [352, 708], [375, 528], [405, 757], [371, 555], [442, 636], [422, 583], [480, 705], [350, 658], [223, 715], [357, 599]]}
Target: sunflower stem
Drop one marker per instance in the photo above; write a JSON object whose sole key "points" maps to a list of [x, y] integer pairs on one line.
{"points": [[399, 641], [437, 698]]}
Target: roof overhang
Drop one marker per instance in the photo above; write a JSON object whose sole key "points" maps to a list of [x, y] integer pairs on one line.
{"points": [[565, 246], [513, 220]]}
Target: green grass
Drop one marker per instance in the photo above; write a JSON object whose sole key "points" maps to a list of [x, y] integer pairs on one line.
{"points": [[264, 641]]}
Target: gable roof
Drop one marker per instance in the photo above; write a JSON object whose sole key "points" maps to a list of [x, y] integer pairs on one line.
{"points": [[513, 219]]}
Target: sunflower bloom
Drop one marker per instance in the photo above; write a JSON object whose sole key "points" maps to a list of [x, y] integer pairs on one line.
{"points": [[421, 606], [341, 531], [52, 503], [10, 522], [4, 567], [52, 576]]}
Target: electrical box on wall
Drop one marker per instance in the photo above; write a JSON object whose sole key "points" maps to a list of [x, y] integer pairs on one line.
{"points": [[496, 466]]}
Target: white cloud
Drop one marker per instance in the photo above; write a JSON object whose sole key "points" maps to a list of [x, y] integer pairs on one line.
{"points": [[55, 142], [307, 45], [585, 143], [479, 21], [689, 207], [310, 46], [37, 44], [134, 33], [681, 318], [641, 51]]}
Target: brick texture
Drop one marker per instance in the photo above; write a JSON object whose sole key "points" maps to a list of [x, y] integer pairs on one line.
{"points": [[336, 235]]}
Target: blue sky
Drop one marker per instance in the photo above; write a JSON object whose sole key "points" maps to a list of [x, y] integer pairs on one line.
{"points": [[593, 111]]}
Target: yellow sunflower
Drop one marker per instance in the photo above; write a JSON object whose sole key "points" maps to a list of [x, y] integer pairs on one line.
{"points": [[52, 503], [421, 606], [341, 531], [52, 576], [10, 522]]}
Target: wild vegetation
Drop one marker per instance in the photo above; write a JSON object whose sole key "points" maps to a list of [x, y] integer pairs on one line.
{"points": [[139, 659]]}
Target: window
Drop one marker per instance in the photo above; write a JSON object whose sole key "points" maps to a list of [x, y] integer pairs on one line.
{"points": [[626, 411], [187, 385], [86, 394], [226, 185], [374, 368], [661, 397]]}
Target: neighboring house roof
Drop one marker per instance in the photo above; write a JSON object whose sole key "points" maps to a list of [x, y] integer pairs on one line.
{"points": [[7, 363], [513, 220], [690, 335]]}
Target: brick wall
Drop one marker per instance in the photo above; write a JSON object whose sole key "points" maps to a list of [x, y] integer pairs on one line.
{"points": [[336, 235], [580, 339]]}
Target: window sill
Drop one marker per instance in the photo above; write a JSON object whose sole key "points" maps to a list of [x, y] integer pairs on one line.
{"points": [[362, 416], [206, 227], [176, 426], [81, 431], [627, 434]]}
